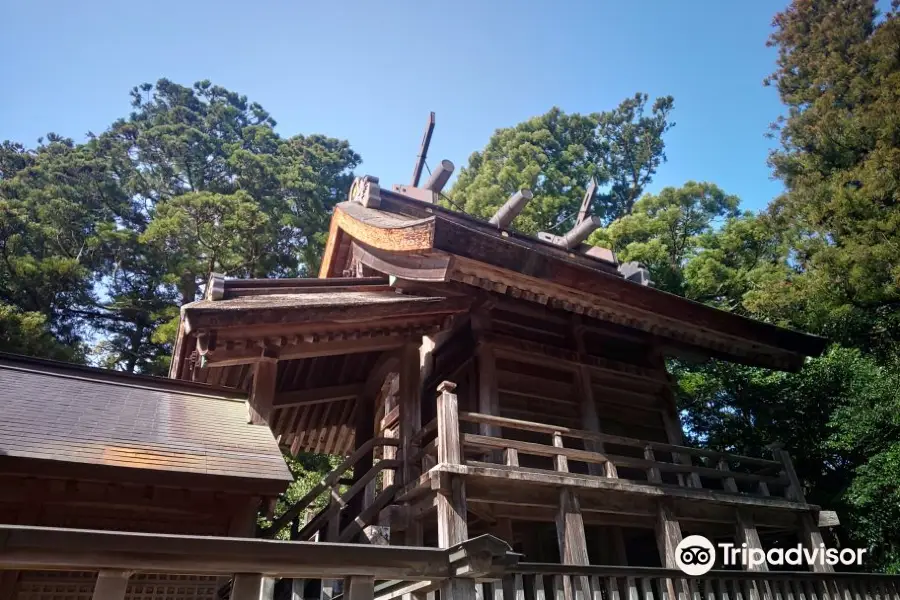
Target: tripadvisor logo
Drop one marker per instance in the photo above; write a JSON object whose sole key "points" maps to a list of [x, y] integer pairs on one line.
{"points": [[696, 555]]}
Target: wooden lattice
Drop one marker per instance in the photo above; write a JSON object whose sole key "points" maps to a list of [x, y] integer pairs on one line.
{"points": [[79, 585]]}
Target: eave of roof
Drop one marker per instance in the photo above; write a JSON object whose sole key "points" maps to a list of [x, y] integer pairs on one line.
{"points": [[120, 378], [436, 229], [132, 426]]}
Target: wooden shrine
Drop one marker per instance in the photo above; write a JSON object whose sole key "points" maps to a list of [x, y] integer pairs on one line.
{"points": [[482, 381], [498, 408]]}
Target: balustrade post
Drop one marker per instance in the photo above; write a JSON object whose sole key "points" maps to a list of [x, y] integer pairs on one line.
{"points": [[728, 483], [795, 489], [359, 587], [560, 462], [653, 474], [247, 586], [111, 585], [448, 443]]}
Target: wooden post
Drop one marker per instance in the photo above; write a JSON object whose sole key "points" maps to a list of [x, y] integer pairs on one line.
{"points": [[570, 530], [331, 587], [560, 461], [249, 586], [410, 403], [811, 537], [746, 534], [572, 542], [448, 447], [451, 511], [263, 391], [728, 483], [455, 588], [668, 536], [591, 422], [653, 474], [795, 489], [451, 497], [359, 587], [488, 395], [111, 585]]}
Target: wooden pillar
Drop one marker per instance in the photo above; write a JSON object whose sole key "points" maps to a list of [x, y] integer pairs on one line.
{"points": [[668, 536], [570, 530], [449, 450], [262, 394], [111, 585], [811, 537], [298, 587], [746, 534], [451, 497], [795, 488], [332, 587], [572, 542], [452, 511], [488, 396], [410, 402], [359, 587], [590, 420], [248, 586]]}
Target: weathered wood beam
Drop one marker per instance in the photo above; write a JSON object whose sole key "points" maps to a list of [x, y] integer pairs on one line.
{"points": [[224, 358], [668, 536], [452, 511], [40, 548], [262, 394], [317, 395]]}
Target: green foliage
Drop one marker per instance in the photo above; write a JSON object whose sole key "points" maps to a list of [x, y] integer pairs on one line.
{"points": [[308, 470], [838, 74], [556, 155], [105, 240], [838, 418], [663, 231], [28, 332]]}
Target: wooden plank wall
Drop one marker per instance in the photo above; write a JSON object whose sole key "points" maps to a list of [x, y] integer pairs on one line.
{"points": [[548, 390]]}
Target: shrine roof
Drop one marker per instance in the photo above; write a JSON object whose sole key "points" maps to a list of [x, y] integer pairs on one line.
{"points": [[56, 414], [394, 234]]}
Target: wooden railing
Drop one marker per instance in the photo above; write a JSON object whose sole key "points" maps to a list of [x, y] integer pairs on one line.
{"points": [[331, 484], [540, 581], [482, 568], [252, 564], [607, 455]]}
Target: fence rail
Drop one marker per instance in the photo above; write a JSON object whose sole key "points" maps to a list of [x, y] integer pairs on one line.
{"points": [[482, 568], [538, 581], [733, 473]]}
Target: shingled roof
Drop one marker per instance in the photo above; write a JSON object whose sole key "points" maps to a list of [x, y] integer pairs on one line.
{"points": [[57, 413]]}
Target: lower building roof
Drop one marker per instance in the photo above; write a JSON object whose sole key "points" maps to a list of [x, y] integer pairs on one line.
{"points": [[60, 414]]}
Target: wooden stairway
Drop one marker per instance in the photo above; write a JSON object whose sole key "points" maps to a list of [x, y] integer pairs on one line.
{"points": [[337, 521]]}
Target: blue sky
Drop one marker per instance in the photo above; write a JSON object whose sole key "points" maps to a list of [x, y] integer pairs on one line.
{"points": [[370, 71]]}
